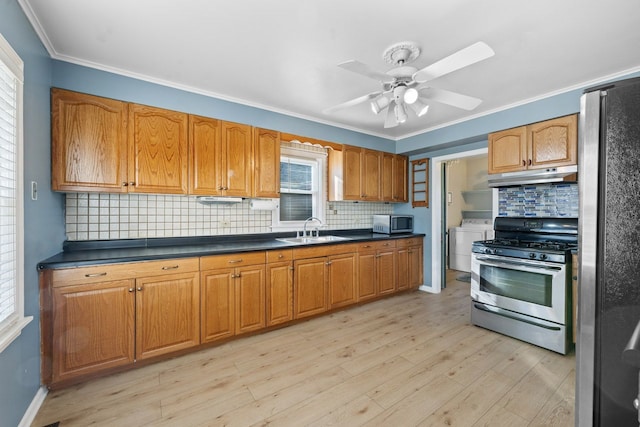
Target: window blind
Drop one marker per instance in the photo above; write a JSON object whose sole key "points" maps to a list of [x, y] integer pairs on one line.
{"points": [[8, 187]]}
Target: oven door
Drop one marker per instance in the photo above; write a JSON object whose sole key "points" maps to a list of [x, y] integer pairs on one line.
{"points": [[534, 288]]}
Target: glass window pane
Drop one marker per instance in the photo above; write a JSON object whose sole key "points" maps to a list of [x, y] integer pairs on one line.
{"points": [[295, 176], [295, 207]]}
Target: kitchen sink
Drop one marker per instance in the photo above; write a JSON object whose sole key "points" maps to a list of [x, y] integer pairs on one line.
{"points": [[310, 240]]}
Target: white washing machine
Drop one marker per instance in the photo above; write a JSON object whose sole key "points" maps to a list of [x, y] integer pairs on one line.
{"points": [[461, 238]]}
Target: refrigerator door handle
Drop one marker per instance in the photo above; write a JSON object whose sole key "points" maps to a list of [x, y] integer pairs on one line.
{"points": [[631, 353]]}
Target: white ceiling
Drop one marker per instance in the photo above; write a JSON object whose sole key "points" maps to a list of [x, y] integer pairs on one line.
{"points": [[282, 55]]}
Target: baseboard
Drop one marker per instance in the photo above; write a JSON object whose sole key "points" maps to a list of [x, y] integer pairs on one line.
{"points": [[33, 408]]}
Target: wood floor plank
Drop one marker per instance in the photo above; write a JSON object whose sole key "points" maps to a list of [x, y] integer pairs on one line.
{"points": [[412, 359]]}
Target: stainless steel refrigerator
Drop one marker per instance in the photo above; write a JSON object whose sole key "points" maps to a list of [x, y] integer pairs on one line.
{"points": [[609, 254]]}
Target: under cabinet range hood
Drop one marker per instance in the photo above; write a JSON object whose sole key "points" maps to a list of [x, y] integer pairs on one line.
{"points": [[534, 176]]}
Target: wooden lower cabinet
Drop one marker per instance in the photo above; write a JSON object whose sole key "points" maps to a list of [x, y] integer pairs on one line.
{"points": [[93, 328], [167, 314], [99, 318], [310, 287], [342, 280], [103, 317], [279, 276]]}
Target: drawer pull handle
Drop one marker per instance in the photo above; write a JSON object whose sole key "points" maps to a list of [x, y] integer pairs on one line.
{"points": [[235, 261], [96, 274], [173, 267], [366, 246]]}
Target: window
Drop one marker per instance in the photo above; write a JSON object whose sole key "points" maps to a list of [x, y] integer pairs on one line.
{"points": [[301, 187], [12, 318]]}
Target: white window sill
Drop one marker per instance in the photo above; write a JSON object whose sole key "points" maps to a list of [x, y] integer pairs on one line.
{"points": [[13, 331]]}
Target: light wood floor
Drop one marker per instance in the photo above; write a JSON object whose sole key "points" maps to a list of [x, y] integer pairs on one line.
{"points": [[409, 360]]}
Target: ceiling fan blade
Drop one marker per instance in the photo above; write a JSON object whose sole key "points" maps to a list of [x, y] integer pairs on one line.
{"points": [[390, 121], [360, 68], [454, 99], [352, 102], [462, 58]]}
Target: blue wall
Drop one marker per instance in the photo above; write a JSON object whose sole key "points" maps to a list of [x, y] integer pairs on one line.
{"points": [[44, 230]]}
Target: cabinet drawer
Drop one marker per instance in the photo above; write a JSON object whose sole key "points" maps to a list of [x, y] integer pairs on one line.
{"points": [[280, 255], [323, 250], [102, 273], [376, 245], [411, 241], [232, 260]]}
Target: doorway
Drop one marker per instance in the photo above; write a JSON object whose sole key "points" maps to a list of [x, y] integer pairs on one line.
{"points": [[451, 206]]}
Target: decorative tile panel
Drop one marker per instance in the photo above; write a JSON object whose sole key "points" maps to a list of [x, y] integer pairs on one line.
{"points": [[543, 200]]}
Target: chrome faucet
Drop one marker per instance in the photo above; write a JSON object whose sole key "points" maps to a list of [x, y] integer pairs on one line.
{"points": [[304, 227]]}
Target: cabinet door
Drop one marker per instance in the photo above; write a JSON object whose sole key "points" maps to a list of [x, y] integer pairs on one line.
{"points": [[416, 266], [279, 293], [237, 159], [205, 160], [217, 319], [371, 160], [387, 178], [342, 280], [88, 143], [266, 159], [93, 328], [400, 177], [310, 292], [367, 280], [250, 298], [553, 143], [403, 268], [167, 314], [157, 150], [352, 171], [508, 150], [386, 271]]}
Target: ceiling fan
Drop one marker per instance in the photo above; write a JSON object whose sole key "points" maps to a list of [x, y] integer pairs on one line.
{"points": [[405, 85]]}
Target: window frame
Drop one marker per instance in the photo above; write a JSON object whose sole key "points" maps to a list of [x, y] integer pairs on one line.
{"points": [[320, 161], [11, 327]]}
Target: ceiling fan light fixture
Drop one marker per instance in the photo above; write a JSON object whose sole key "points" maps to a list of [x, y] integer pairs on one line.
{"points": [[410, 96], [401, 113], [379, 104], [419, 107]]}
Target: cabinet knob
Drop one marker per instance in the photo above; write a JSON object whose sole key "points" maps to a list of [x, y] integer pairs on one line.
{"points": [[220, 188], [328, 263], [132, 184], [124, 184], [524, 162], [131, 290], [530, 162], [280, 256], [139, 288]]}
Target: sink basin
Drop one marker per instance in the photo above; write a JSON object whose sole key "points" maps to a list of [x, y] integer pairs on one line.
{"points": [[310, 240]]}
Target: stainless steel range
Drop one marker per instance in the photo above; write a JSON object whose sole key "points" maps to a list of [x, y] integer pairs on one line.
{"points": [[520, 281]]}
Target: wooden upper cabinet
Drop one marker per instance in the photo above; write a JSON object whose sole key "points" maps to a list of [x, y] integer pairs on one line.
{"points": [[89, 142], [205, 156], [400, 178], [551, 143], [157, 150], [237, 157], [386, 177], [266, 159], [352, 173], [371, 164], [220, 158]]}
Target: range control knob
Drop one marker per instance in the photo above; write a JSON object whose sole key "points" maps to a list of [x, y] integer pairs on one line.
{"points": [[543, 256], [489, 251], [532, 255]]}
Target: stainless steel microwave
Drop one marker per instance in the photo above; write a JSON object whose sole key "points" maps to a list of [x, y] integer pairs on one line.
{"points": [[390, 224]]}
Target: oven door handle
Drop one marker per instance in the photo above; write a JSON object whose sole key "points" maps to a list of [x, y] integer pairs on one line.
{"points": [[504, 313], [510, 264]]}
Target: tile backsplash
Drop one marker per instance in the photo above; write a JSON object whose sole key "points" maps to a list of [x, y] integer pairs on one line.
{"points": [[98, 216], [554, 200]]}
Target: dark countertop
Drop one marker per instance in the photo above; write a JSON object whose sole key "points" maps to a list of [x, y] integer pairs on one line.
{"points": [[100, 252]]}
